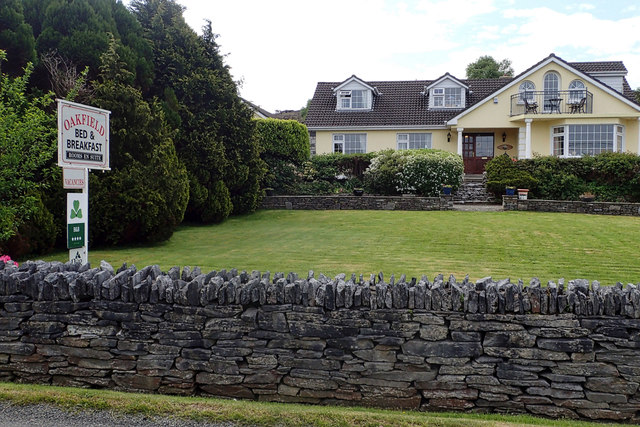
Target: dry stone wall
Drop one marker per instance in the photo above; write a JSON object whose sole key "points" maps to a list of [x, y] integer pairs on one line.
{"points": [[512, 203], [561, 350], [365, 202]]}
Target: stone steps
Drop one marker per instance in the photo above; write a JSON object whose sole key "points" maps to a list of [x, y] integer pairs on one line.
{"points": [[473, 190]]}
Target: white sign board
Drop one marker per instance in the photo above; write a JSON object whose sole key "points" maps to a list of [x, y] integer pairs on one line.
{"points": [[73, 179], [79, 255], [77, 208], [83, 136]]}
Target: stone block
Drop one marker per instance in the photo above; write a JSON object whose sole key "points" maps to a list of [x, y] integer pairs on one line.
{"points": [[442, 348], [573, 345]]}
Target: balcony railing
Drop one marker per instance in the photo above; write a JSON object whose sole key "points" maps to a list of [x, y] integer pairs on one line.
{"points": [[552, 102]]}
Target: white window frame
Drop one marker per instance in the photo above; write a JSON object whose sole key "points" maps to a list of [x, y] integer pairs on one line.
{"points": [[577, 91], [345, 98], [340, 140], [548, 91], [405, 139], [564, 133], [526, 90], [442, 96]]}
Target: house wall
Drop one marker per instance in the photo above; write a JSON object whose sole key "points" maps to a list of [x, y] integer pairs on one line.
{"points": [[384, 139], [606, 110]]}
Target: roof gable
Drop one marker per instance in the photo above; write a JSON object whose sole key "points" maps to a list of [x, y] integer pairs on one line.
{"points": [[444, 78], [357, 80], [560, 62]]}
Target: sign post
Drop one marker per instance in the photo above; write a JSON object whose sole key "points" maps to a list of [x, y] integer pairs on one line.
{"points": [[83, 144]]}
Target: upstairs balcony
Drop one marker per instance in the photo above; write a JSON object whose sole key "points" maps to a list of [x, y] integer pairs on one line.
{"points": [[552, 102]]}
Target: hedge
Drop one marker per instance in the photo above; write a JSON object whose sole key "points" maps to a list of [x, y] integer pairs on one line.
{"points": [[421, 172], [609, 176]]}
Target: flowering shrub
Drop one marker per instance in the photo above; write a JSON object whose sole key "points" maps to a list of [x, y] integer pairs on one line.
{"points": [[421, 172], [7, 260]]}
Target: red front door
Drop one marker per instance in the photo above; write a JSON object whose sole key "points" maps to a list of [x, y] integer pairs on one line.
{"points": [[477, 149]]}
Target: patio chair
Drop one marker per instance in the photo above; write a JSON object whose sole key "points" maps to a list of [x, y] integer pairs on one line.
{"points": [[530, 107], [579, 106]]}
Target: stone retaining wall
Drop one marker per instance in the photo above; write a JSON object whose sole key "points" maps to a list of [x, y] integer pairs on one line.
{"points": [[365, 202], [512, 203], [564, 350]]}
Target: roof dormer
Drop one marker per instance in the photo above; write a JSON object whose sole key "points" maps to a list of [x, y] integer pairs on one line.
{"points": [[446, 93], [354, 95]]}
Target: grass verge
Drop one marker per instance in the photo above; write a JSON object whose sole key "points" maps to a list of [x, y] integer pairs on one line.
{"points": [[253, 413], [499, 244]]}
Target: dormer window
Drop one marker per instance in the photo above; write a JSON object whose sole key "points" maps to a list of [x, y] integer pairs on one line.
{"points": [[354, 94], [353, 99], [446, 92], [447, 97]]}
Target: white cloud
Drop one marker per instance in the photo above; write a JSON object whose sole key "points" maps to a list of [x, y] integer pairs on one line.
{"points": [[282, 48]]}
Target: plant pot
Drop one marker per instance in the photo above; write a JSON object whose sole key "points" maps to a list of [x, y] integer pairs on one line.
{"points": [[446, 191], [523, 193], [358, 191], [510, 191], [587, 199], [269, 191]]}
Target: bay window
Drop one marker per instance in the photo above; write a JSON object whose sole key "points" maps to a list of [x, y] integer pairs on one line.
{"points": [[587, 139]]}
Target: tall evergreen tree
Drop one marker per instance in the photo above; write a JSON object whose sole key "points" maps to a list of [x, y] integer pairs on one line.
{"points": [[78, 31], [215, 138], [144, 196], [16, 37]]}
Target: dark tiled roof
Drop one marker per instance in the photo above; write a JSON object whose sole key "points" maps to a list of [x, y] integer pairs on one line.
{"points": [[399, 104], [599, 66], [288, 115]]}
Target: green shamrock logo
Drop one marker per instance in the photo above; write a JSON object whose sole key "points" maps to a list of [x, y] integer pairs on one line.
{"points": [[76, 212]]}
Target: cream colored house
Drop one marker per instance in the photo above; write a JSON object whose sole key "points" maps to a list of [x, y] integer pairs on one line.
{"points": [[553, 108]]}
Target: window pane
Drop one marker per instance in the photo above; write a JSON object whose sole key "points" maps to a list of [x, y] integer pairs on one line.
{"points": [[357, 99], [484, 145], [355, 143], [590, 139]]}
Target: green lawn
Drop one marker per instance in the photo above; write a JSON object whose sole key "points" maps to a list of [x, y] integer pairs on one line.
{"points": [[498, 244], [256, 413]]}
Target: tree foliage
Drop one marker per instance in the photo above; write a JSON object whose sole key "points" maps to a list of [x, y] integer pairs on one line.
{"points": [[144, 196], [27, 146], [16, 37], [216, 136], [485, 67], [285, 145]]}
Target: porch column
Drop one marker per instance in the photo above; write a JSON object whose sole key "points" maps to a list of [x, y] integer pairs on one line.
{"points": [[460, 141], [527, 139]]}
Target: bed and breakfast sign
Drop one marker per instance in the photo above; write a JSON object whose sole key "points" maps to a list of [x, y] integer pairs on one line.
{"points": [[83, 136], [83, 144]]}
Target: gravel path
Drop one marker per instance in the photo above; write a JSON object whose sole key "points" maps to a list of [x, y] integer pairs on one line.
{"points": [[51, 416]]}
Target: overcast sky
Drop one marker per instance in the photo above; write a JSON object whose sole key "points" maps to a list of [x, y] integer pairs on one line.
{"points": [[280, 49]]}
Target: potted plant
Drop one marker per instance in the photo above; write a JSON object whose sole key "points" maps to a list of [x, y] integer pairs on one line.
{"points": [[269, 191], [523, 193], [358, 191], [511, 191], [587, 196], [446, 189]]}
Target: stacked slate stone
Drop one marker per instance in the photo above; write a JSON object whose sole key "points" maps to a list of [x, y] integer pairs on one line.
{"points": [[44, 281], [559, 351]]}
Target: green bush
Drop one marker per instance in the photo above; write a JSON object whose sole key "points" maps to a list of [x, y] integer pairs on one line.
{"points": [[285, 147], [502, 172], [422, 172], [35, 236], [610, 176]]}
